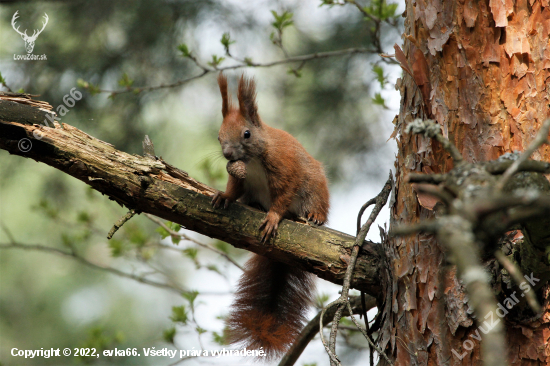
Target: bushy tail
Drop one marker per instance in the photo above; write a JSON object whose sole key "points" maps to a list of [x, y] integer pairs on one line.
{"points": [[271, 303]]}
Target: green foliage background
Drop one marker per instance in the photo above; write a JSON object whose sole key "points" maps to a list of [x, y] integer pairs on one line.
{"points": [[48, 300]]}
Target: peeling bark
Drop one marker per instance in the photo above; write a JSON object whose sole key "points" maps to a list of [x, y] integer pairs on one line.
{"points": [[488, 70]]}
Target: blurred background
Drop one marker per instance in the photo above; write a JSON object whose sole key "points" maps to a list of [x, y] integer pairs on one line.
{"points": [[74, 288]]}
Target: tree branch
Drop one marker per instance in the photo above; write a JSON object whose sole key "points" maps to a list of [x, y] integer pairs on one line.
{"points": [[312, 328], [205, 70], [343, 300], [84, 261], [153, 186]]}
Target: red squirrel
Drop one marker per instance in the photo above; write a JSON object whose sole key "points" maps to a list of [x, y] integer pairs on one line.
{"points": [[272, 298]]}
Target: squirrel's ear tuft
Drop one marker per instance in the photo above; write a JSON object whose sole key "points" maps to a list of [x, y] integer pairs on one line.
{"points": [[247, 100], [226, 99]]}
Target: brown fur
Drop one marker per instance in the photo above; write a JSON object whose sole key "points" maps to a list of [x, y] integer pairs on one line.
{"points": [[271, 302], [284, 180]]}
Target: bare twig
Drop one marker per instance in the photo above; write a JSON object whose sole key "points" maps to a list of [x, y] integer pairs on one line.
{"points": [[456, 234], [240, 65], [431, 129], [156, 87], [437, 192], [373, 18], [334, 361], [312, 328], [372, 201], [362, 295], [82, 260], [540, 139], [499, 167], [364, 331], [343, 300], [120, 222]]}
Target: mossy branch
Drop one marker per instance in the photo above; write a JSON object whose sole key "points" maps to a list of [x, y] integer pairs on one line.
{"points": [[151, 185]]}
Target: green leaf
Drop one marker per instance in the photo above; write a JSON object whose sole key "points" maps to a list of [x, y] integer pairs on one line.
{"points": [[321, 300], [147, 253], [66, 240], [295, 72], [379, 100], [162, 231], [83, 217], [190, 296], [220, 339], [93, 89], [179, 314], [346, 321], [169, 335], [45, 206], [174, 226], [119, 337], [125, 81], [381, 10], [222, 246], [379, 71], [200, 330], [213, 268], [191, 253], [327, 2], [226, 41], [81, 83], [388, 11], [2, 80], [184, 50], [282, 20], [98, 340], [136, 235], [216, 61], [117, 247], [20, 91]]}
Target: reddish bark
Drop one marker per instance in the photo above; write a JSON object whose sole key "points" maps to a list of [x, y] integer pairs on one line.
{"points": [[486, 65]]}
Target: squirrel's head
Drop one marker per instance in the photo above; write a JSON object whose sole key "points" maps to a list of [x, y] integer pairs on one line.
{"points": [[241, 133]]}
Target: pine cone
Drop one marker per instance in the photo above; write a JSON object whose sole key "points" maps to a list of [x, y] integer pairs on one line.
{"points": [[237, 169]]}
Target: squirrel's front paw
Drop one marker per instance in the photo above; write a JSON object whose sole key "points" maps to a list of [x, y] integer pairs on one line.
{"points": [[269, 226], [316, 219], [218, 199]]}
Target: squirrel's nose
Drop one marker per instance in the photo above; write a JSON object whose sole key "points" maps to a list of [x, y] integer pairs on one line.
{"points": [[228, 153]]}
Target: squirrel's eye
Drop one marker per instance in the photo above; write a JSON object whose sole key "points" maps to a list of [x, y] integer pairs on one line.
{"points": [[246, 134], [219, 138]]}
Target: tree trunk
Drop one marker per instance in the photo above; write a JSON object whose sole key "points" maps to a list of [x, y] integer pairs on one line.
{"points": [[481, 71]]}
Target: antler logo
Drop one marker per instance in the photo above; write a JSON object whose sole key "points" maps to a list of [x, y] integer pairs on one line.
{"points": [[29, 41]]}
